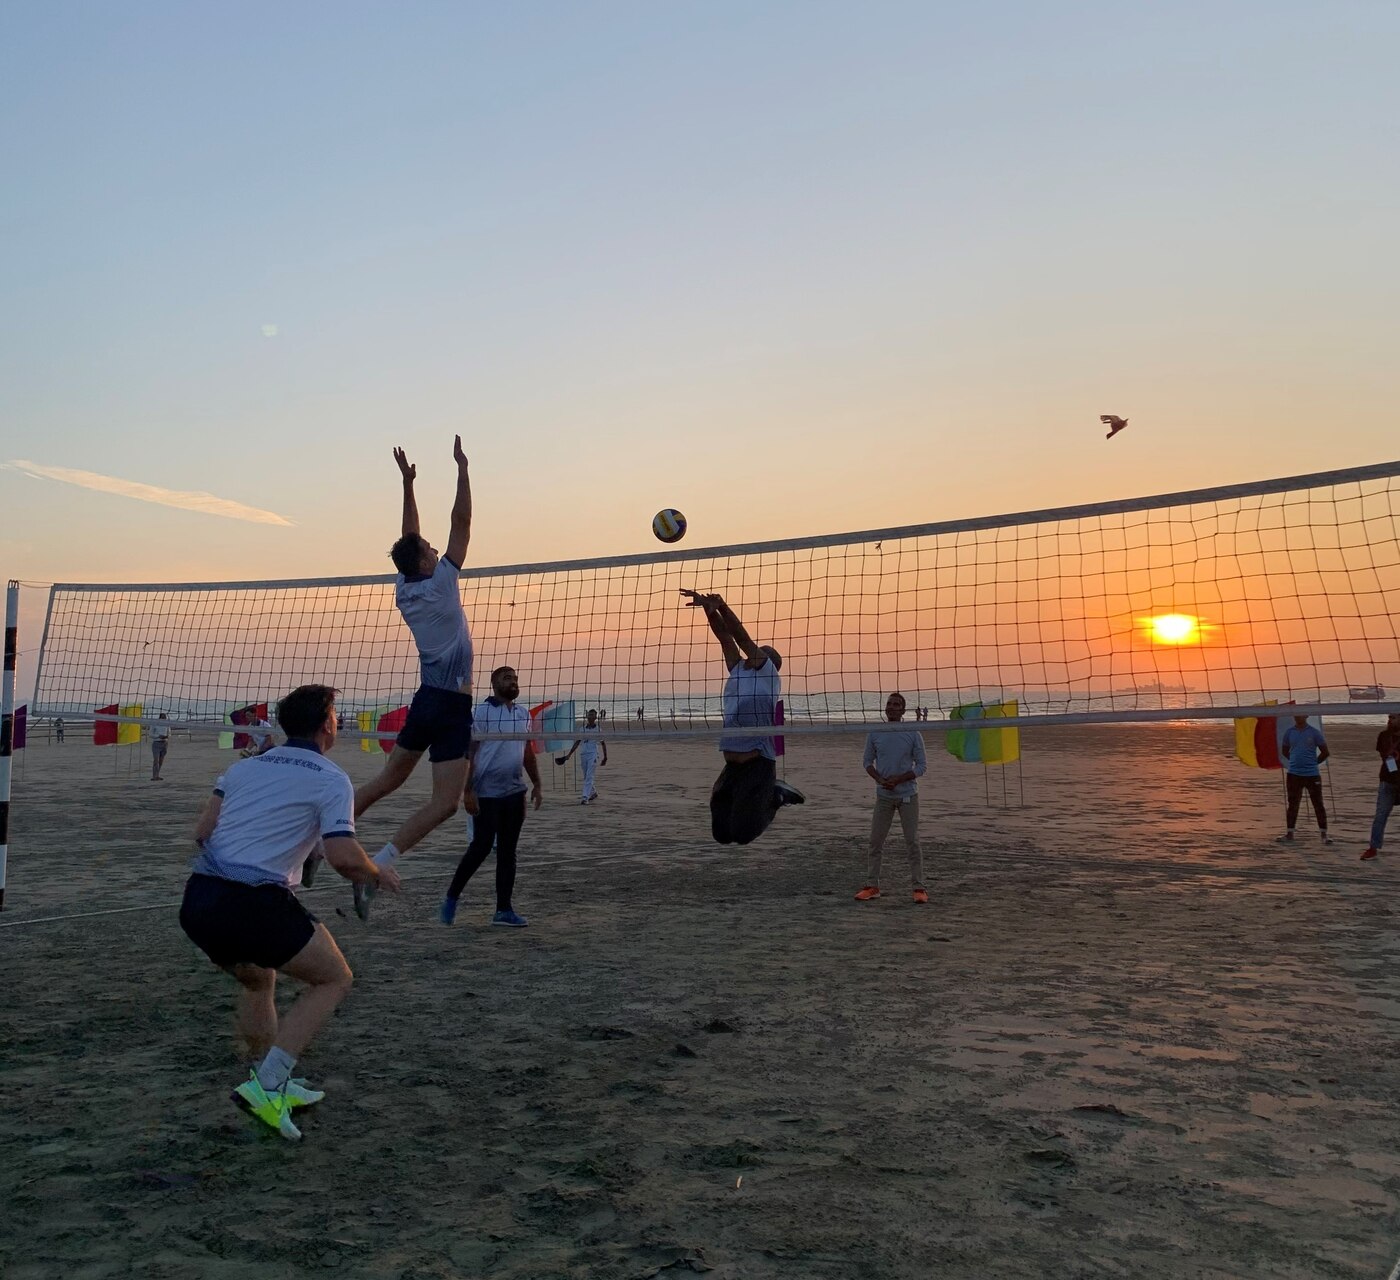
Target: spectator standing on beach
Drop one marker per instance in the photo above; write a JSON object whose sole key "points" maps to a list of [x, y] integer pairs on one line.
{"points": [[896, 761], [1388, 748], [160, 744], [1305, 749]]}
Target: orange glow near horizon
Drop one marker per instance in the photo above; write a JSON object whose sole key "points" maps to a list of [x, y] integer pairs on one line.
{"points": [[1175, 628]]}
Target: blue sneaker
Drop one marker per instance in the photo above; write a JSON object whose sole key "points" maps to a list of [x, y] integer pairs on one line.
{"points": [[447, 913], [510, 919]]}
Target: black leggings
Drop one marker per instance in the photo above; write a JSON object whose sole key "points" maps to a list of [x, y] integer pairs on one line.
{"points": [[743, 801], [1296, 787], [500, 821]]}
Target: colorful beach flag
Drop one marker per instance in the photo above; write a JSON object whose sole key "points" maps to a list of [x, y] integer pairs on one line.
{"points": [[1259, 739], [985, 746], [391, 722], [250, 714], [129, 734], [104, 732]]}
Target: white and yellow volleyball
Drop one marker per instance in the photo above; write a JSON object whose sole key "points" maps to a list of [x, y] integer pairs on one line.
{"points": [[668, 525]]}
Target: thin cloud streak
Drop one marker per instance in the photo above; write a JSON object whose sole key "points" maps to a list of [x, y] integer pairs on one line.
{"points": [[186, 500]]}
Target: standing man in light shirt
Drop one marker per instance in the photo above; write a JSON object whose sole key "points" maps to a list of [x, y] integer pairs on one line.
{"points": [[440, 715], [896, 761], [747, 792], [588, 749], [160, 744], [267, 813], [496, 797], [1304, 748]]}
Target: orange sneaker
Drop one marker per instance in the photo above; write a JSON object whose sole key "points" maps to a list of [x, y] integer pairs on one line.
{"points": [[920, 895], [870, 891]]}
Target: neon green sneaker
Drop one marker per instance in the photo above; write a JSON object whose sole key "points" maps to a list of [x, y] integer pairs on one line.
{"points": [[272, 1109], [300, 1093]]}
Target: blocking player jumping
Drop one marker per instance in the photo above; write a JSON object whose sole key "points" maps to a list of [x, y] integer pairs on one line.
{"points": [[588, 749], [440, 715], [747, 792], [267, 813]]}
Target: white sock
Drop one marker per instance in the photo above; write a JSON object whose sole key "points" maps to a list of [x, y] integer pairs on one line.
{"points": [[387, 856], [276, 1069]]}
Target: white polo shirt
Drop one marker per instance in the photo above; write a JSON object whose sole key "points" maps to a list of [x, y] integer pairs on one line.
{"points": [[498, 768], [751, 698], [432, 606], [277, 807]]}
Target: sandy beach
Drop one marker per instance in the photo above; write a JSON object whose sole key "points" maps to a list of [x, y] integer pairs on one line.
{"points": [[1129, 1036]]}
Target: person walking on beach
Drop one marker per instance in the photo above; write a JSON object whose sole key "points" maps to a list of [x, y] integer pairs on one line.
{"points": [[1388, 748], [588, 749], [160, 744], [896, 761], [58, 730], [1305, 749]]}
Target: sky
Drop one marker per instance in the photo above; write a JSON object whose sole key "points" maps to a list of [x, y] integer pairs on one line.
{"points": [[792, 268]]}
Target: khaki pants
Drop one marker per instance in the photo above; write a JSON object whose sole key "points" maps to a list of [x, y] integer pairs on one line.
{"points": [[880, 820]]}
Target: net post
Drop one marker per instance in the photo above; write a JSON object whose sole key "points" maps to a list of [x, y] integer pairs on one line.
{"points": [[7, 723]]}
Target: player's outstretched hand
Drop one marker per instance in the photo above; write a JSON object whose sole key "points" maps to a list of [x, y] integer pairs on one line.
{"points": [[389, 881], [406, 468], [457, 454], [698, 599]]}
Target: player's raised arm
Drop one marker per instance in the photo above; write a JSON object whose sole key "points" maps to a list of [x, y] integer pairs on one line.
{"points": [[736, 628], [461, 531], [410, 503], [714, 615]]}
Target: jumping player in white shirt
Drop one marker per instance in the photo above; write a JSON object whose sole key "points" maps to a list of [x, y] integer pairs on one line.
{"points": [[440, 716], [747, 792], [266, 815]]}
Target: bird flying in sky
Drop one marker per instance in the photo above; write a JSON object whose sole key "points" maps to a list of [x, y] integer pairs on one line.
{"points": [[1114, 423]]}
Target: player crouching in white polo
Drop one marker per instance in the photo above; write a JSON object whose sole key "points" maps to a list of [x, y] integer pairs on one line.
{"points": [[266, 815]]}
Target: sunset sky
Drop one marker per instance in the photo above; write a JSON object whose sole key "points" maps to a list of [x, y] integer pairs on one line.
{"points": [[790, 267]]}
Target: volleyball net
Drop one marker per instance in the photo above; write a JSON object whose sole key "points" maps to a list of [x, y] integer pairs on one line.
{"points": [[1203, 603]]}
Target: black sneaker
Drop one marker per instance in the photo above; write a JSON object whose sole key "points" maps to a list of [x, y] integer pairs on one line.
{"points": [[788, 794]]}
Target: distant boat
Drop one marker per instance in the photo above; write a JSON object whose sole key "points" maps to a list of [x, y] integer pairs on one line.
{"points": [[1366, 693]]}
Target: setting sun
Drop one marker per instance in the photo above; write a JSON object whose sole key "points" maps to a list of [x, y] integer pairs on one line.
{"points": [[1175, 628]]}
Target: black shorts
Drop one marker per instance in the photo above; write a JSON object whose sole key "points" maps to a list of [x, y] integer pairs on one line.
{"points": [[440, 723], [261, 924]]}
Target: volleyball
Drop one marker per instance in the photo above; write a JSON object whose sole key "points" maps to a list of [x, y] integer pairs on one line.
{"points": [[668, 525]]}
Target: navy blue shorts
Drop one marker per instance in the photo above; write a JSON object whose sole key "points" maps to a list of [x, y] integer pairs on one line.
{"points": [[440, 723], [261, 924]]}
